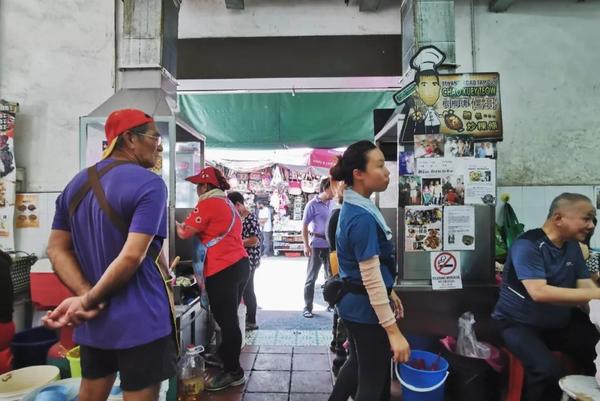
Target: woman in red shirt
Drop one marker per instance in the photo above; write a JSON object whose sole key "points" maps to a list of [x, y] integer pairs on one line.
{"points": [[226, 268]]}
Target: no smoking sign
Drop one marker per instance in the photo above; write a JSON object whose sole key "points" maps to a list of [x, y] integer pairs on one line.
{"points": [[445, 263], [445, 271]]}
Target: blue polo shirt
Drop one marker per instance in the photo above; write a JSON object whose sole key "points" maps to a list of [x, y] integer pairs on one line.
{"points": [[359, 238], [534, 256], [139, 312]]}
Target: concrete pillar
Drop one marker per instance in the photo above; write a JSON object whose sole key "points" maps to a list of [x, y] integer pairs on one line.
{"points": [[427, 22], [148, 40]]}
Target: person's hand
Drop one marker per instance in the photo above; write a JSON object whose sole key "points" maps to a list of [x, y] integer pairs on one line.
{"points": [[400, 348], [397, 305], [180, 229], [70, 312], [307, 251]]}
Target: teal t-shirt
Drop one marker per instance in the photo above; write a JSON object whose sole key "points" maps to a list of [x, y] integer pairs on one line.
{"points": [[359, 238]]}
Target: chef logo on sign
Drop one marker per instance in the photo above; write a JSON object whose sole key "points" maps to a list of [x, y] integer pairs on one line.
{"points": [[427, 80]]}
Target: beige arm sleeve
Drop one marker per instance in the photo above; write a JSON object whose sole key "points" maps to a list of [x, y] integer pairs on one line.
{"points": [[373, 282]]}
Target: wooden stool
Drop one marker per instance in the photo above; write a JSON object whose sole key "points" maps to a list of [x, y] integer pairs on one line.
{"points": [[580, 388]]}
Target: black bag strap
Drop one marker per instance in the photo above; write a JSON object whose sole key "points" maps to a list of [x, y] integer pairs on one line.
{"points": [[87, 186], [94, 181]]}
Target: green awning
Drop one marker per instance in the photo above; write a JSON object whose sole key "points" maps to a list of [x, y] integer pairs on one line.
{"points": [[276, 120]]}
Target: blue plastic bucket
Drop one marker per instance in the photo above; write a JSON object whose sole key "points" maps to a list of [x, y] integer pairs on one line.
{"points": [[30, 347], [423, 385]]}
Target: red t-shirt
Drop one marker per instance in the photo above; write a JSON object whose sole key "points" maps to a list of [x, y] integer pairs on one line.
{"points": [[212, 218]]}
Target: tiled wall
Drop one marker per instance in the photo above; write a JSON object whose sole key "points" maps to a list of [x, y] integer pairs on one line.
{"points": [[531, 203]]}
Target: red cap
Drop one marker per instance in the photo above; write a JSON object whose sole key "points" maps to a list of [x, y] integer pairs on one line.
{"points": [[207, 175], [120, 121]]}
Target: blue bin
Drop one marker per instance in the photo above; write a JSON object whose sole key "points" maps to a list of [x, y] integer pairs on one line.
{"points": [[423, 385], [30, 347]]}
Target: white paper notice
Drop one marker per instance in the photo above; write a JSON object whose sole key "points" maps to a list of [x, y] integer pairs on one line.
{"points": [[459, 228], [436, 167], [445, 271], [389, 197], [480, 175]]}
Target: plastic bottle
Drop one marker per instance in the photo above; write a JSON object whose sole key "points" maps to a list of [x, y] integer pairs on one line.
{"points": [[190, 374]]}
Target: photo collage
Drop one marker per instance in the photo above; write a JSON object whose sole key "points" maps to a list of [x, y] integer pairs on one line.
{"points": [[440, 179], [439, 169]]}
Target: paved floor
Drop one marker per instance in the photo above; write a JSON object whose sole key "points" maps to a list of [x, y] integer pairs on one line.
{"points": [[285, 373], [288, 358]]}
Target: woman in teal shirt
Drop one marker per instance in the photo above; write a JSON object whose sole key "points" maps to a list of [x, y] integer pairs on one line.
{"points": [[366, 259]]}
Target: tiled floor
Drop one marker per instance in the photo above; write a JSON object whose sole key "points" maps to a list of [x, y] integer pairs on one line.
{"points": [[284, 373], [289, 337], [288, 358]]}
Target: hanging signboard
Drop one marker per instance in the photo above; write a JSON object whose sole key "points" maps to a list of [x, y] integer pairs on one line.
{"points": [[445, 271], [451, 104]]}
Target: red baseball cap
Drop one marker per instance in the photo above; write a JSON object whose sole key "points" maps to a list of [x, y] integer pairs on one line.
{"points": [[207, 175], [120, 121]]}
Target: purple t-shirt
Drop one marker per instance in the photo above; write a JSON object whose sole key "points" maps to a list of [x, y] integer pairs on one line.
{"points": [[139, 312], [316, 214]]}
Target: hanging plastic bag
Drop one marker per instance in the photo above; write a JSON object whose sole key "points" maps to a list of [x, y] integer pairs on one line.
{"points": [[467, 344], [511, 228]]}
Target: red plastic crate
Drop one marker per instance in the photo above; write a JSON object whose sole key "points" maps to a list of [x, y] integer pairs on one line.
{"points": [[47, 291]]}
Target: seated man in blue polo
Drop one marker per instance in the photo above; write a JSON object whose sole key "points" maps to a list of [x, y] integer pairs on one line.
{"points": [[544, 279]]}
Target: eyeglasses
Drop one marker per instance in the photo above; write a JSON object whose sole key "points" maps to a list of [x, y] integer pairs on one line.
{"points": [[157, 138]]}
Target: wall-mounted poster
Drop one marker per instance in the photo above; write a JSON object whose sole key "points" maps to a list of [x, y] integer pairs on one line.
{"points": [[410, 190], [423, 228], [481, 181], [429, 146], [8, 113], [485, 150], [453, 188], [27, 213], [406, 163], [458, 146], [444, 172], [449, 104], [432, 191], [459, 228]]}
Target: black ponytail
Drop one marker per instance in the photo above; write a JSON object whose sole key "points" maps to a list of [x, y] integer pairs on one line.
{"points": [[355, 157]]}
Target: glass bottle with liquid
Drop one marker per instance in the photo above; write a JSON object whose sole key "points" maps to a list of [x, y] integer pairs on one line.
{"points": [[190, 374]]}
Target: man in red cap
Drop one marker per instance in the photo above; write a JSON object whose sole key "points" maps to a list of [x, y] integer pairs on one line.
{"points": [[107, 235]]}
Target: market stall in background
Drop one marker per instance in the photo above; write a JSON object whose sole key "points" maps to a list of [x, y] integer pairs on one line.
{"points": [[285, 183]]}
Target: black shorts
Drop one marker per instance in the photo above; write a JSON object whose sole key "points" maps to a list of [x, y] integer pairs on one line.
{"points": [[139, 367]]}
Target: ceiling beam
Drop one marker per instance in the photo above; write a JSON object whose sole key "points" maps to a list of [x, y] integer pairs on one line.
{"points": [[499, 6], [234, 4], [369, 5]]}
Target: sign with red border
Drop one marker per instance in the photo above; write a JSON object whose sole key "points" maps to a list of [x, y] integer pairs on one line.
{"points": [[445, 271]]}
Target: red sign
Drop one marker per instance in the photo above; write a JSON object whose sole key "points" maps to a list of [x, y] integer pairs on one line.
{"points": [[325, 158], [445, 263]]}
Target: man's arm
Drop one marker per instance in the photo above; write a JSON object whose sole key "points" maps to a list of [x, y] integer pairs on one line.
{"points": [[307, 250], [87, 306], [120, 271], [65, 264], [541, 291], [586, 283]]}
